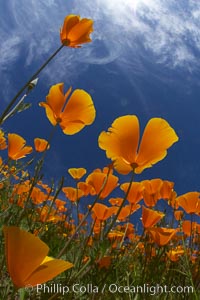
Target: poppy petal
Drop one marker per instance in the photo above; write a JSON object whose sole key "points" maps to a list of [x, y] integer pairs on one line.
{"points": [[157, 138], [24, 253], [16, 149], [48, 269], [121, 142], [78, 112], [49, 112], [69, 22], [83, 28]]}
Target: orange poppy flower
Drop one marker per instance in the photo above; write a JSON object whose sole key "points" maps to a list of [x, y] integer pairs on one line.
{"points": [[174, 254], [27, 260], [86, 188], [3, 144], [72, 116], [190, 202], [60, 205], [121, 143], [116, 201], [178, 215], [77, 173], [103, 212], [166, 189], [135, 192], [96, 180], [73, 194], [188, 227], [16, 147], [151, 191], [162, 236], [150, 217], [126, 211], [76, 31], [41, 145], [173, 200], [38, 196]]}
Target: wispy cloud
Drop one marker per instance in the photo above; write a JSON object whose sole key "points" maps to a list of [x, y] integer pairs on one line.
{"points": [[125, 33]]}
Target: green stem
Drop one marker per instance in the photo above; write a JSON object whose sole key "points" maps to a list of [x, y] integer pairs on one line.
{"points": [[27, 83]]}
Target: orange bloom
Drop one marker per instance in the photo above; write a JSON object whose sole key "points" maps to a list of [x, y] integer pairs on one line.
{"points": [[77, 173], [178, 214], [150, 217], [38, 196], [116, 201], [86, 188], [162, 236], [72, 116], [188, 227], [190, 202], [121, 143], [41, 145], [60, 205], [16, 147], [174, 254], [151, 191], [166, 190], [72, 194], [97, 178], [3, 144], [173, 200], [126, 211], [76, 31], [103, 212], [135, 192], [27, 260]]}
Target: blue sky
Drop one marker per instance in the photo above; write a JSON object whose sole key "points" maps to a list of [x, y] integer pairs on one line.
{"points": [[143, 60]]}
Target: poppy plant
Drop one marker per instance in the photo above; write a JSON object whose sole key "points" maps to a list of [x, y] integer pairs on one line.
{"points": [[73, 194], [27, 260], [41, 145], [76, 31], [16, 147], [151, 191], [150, 217], [190, 202], [77, 173], [121, 143], [72, 115], [162, 236], [97, 179], [103, 212], [135, 191]]}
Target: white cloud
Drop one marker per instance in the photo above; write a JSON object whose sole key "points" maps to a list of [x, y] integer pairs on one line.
{"points": [[124, 32]]}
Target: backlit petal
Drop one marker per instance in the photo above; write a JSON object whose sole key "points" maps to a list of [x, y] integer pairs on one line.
{"points": [[49, 112], [56, 98], [79, 112], [121, 142], [76, 31], [82, 29], [24, 253], [69, 22], [47, 270], [157, 138], [16, 147]]}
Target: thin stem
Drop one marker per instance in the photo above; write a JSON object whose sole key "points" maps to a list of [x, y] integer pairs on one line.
{"points": [[27, 83], [120, 208]]}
